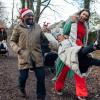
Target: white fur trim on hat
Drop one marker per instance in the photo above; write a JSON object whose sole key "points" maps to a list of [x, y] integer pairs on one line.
{"points": [[26, 12]]}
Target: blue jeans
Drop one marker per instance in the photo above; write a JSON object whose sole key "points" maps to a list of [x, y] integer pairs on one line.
{"points": [[40, 75], [23, 75]]}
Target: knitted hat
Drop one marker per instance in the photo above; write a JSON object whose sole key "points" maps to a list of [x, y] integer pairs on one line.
{"points": [[57, 32], [25, 11]]}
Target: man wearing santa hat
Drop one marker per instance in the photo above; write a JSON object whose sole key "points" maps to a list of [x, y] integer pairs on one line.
{"points": [[26, 42]]}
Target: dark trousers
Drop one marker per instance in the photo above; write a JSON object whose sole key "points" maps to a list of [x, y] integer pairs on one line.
{"points": [[40, 75], [86, 50], [86, 61]]}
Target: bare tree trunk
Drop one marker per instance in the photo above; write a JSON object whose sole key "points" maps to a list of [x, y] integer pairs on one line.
{"points": [[38, 10], [31, 4], [23, 3], [87, 4], [13, 14], [39, 3]]}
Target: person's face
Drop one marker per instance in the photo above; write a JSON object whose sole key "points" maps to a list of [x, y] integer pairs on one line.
{"points": [[84, 16], [60, 38], [45, 29], [29, 19], [2, 29]]}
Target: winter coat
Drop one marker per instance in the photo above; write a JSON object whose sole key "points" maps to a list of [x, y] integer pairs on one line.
{"points": [[45, 46], [28, 40], [71, 30]]}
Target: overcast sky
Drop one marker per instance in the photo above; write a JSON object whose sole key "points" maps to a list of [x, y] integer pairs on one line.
{"points": [[64, 10]]}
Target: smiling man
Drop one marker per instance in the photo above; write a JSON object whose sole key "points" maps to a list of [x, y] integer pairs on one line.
{"points": [[26, 42]]}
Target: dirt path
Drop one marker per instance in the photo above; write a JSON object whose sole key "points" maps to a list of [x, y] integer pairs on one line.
{"points": [[8, 83]]}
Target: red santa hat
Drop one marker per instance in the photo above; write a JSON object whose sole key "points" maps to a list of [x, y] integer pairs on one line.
{"points": [[25, 11]]}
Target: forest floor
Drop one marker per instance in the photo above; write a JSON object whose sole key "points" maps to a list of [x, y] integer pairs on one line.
{"points": [[9, 76]]}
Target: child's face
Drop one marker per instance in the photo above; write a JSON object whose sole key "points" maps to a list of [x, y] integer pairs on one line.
{"points": [[60, 38]]}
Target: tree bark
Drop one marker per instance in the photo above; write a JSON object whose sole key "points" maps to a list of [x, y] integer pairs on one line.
{"points": [[87, 4], [23, 3], [38, 7]]}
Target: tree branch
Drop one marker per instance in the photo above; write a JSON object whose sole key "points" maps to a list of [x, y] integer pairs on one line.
{"points": [[45, 6]]}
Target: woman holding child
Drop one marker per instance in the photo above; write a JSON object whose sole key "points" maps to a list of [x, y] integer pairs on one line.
{"points": [[77, 29]]}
